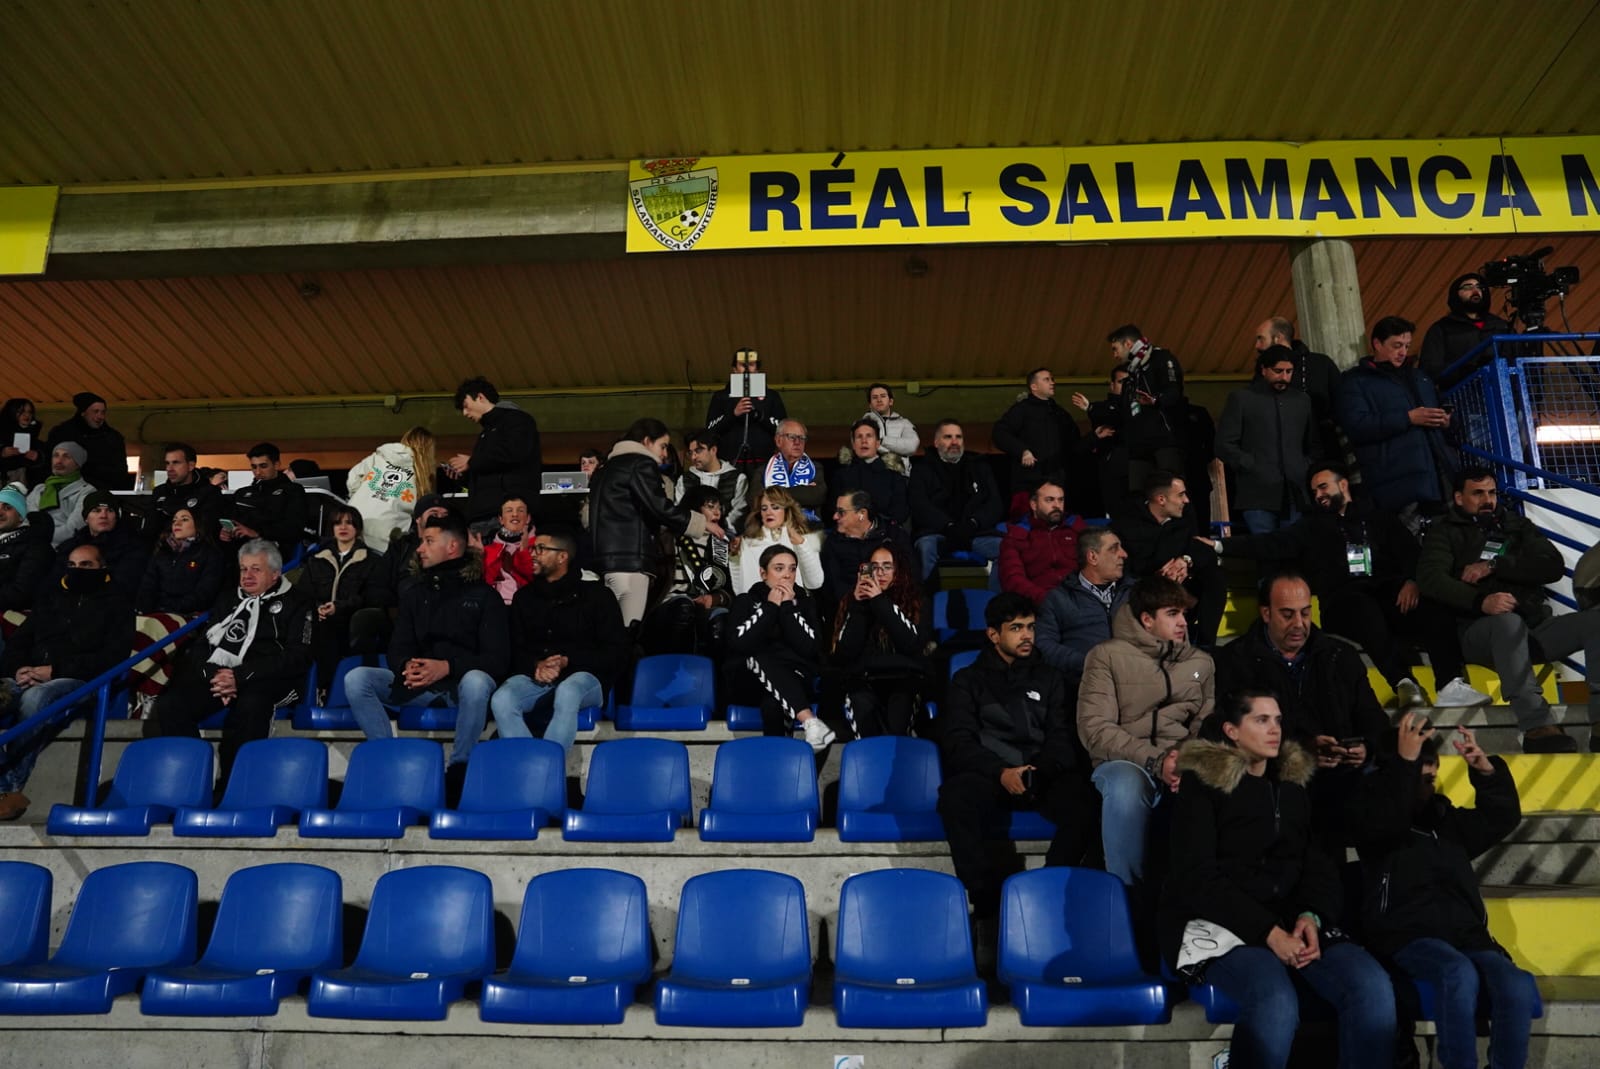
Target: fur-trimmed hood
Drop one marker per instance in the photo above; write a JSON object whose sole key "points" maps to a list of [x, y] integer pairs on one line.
{"points": [[1224, 767], [893, 461]]}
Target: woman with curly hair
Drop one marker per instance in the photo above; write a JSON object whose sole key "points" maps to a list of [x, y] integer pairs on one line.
{"points": [[882, 646], [777, 520]]}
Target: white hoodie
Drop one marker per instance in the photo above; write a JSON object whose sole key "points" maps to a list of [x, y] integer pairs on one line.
{"points": [[383, 488]]}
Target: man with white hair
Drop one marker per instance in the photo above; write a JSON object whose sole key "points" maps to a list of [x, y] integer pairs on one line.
{"points": [[254, 658], [794, 470], [61, 495]]}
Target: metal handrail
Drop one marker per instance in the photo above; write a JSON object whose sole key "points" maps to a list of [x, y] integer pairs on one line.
{"points": [[68, 707], [1494, 341]]}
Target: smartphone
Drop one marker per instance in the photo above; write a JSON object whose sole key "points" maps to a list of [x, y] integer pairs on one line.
{"points": [[866, 571], [1027, 781], [1352, 742]]}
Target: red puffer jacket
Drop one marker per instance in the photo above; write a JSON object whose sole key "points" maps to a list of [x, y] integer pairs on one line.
{"points": [[1034, 559]]}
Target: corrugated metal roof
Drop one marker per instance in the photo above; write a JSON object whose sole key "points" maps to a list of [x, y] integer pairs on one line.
{"points": [[172, 89], [953, 312]]}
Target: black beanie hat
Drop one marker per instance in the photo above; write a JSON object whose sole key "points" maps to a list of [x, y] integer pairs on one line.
{"points": [[83, 400], [101, 497]]}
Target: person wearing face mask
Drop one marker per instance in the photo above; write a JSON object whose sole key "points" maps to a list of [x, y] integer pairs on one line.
{"points": [[508, 561], [1490, 567], [81, 626], [1469, 324], [125, 554], [628, 507]]}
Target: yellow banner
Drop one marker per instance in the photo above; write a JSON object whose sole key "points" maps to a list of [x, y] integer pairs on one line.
{"points": [[26, 215], [1233, 189]]}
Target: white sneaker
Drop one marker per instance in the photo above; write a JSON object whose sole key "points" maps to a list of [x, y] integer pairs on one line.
{"points": [[1459, 693], [818, 734], [1408, 695]]}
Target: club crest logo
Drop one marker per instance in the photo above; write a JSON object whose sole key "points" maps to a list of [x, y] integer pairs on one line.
{"points": [[676, 202]]}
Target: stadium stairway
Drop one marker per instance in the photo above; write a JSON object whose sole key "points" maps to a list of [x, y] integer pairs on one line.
{"points": [[1543, 890]]}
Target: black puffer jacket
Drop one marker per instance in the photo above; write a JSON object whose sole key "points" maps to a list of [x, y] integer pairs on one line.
{"points": [[628, 506], [1529, 562], [274, 508], [185, 582], [451, 614], [507, 461], [578, 620], [1242, 853], [1042, 427], [25, 559], [1329, 693], [998, 716], [125, 556], [79, 635], [958, 501], [1416, 860]]}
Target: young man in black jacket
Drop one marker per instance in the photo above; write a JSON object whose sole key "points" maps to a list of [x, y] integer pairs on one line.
{"points": [[81, 626], [450, 643], [1039, 436], [272, 507], [506, 459], [567, 647], [256, 652], [1007, 741], [1159, 537], [1153, 429], [1423, 912]]}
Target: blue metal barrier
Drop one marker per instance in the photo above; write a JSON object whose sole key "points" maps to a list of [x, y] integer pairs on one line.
{"points": [[101, 688]]}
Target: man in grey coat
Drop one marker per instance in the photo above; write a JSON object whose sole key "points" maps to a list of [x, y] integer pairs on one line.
{"points": [[1265, 438]]}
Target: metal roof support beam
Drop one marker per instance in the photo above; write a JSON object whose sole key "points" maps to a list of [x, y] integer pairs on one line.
{"points": [[1327, 298]]}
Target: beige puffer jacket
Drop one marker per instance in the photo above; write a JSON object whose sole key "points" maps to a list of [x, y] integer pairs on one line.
{"points": [[1140, 695]]}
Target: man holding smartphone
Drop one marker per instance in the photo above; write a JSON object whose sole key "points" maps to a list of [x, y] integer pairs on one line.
{"points": [[744, 416], [1321, 683]]}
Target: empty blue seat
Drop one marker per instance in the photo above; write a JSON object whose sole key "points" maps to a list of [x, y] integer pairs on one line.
{"points": [[128, 919], [904, 953], [272, 782], [583, 949], [748, 718], [154, 778], [276, 925], [1067, 951], [638, 792], [763, 791], [1020, 824], [671, 692], [430, 932], [334, 714], [391, 784], [514, 787], [742, 956], [889, 791], [958, 660], [24, 913], [959, 612]]}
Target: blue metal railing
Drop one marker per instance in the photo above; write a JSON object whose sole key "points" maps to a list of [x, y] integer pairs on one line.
{"points": [[69, 707]]}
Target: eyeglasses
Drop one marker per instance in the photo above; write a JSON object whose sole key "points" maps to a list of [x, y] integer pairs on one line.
{"points": [[880, 566], [537, 548], [794, 437]]}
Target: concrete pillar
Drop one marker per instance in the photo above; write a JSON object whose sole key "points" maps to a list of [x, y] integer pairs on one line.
{"points": [[1327, 299]]}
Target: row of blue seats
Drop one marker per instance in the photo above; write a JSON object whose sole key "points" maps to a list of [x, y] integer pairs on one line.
{"points": [[741, 958], [762, 790]]}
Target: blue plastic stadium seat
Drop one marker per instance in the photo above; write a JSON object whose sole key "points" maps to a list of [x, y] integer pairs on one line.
{"points": [[583, 949], [276, 925], [24, 913], [748, 718], [127, 920], [1220, 1009], [391, 784], [427, 717], [514, 787], [1020, 824], [638, 792], [742, 956], [763, 791], [889, 791], [272, 782], [671, 692], [904, 953], [154, 778], [958, 660], [334, 714], [1067, 952], [959, 612], [430, 933]]}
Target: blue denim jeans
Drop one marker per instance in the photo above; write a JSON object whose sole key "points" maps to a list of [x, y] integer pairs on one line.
{"points": [[929, 548], [519, 696], [1269, 1004], [1457, 976], [1128, 795], [30, 700], [368, 692]]}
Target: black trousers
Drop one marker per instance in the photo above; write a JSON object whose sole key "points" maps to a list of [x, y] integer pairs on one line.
{"points": [[188, 700], [1210, 589], [781, 688], [969, 800], [884, 709], [1369, 617]]}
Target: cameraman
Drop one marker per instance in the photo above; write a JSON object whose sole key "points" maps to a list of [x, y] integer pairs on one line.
{"points": [[743, 426], [1467, 326]]}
